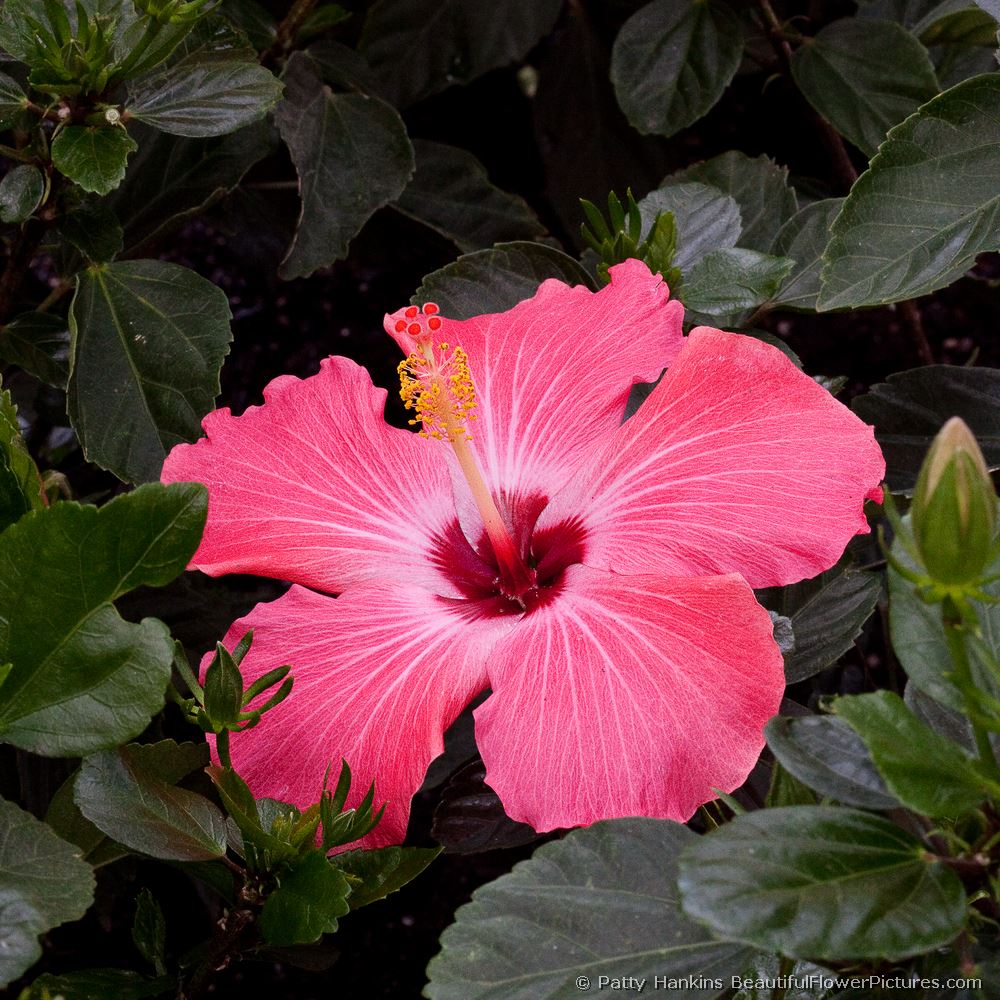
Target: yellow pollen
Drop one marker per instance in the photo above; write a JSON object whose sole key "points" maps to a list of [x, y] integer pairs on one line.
{"points": [[437, 385]]}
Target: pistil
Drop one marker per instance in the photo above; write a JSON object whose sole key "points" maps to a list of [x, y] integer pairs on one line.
{"points": [[436, 383]]}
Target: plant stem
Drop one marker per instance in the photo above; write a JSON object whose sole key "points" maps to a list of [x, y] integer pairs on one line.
{"points": [[909, 313], [954, 629], [222, 749], [224, 946], [287, 30], [21, 253]]}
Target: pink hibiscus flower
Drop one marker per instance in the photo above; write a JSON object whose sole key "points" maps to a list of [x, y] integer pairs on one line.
{"points": [[596, 576]]}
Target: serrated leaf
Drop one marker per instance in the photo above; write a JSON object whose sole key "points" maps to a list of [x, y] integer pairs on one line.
{"points": [[827, 755], [760, 187], [829, 884], [451, 193], [38, 343], [18, 37], [864, 76], [672, 61], [64, 816], [706, 219], [602, 901], [804, 238], [311, 895], [20, 485], [94, 229], [383, 871], [211, 85], [419, 47], [726, 283], [963, 27], [149, 931], [44, 884], [496, 280], [170, 179], [93, 156], [352, 156], [910, 408], [927, 205], [12, 101], [123, 794], [83, 678], [149, 339], [21, 191], [827, 614], [925, 771]]}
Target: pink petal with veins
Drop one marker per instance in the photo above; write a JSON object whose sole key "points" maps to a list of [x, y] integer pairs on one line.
{"points": [[315, 487], [629, 696], [736, 463], [380, 673]]}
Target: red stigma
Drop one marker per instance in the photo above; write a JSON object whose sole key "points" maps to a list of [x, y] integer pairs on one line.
{"points": [[400, 325], [434, 323], [429, 309], [411, 312], [414, 330]]}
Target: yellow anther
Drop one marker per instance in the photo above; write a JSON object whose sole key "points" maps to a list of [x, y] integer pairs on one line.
{"points": [[437, 385]]}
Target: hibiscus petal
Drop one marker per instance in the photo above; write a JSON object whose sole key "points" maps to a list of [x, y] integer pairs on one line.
{"points": [[736, 463], [379, 674], [553, 374], [314, 486], [628, 696]]}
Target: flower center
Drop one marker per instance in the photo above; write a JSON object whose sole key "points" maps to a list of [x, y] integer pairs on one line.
{"points": [[436, 383]]}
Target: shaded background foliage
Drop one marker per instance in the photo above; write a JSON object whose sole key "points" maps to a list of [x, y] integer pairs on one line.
{"points": [[548, 129]]}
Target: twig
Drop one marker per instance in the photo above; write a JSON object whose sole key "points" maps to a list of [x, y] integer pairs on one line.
{"points": [[22, 252], [909, 313], [224, 946], [287, 30]]}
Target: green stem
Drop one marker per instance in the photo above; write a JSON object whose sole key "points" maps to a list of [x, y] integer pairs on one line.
{"points": [[222, 749], [955, 628]]}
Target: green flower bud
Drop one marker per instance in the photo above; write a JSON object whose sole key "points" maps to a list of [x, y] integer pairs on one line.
{"points": [[954, 507]]}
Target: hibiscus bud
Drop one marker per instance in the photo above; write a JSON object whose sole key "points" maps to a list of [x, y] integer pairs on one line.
{"points": [[954, 507]]}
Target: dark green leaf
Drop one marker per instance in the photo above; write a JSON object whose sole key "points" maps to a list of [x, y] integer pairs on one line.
{"points": [[963, 27], [383, 871], [20, 485], [311, 895], [253, 19], [44, 884], [149, 339], [93, 156], [84, 679], [125, 797], [804, 238], [451, 193], [496, 280], [12, 101], [827, 613], [64, 816], [946, 721], [344, 68], [149, 931], [211, 85], [94, 230], [171, 179], [760, 188], [602, 901], [21, 193], [470, 817], [419, 47], [672, 61], [787, 790], [100, 984], [706, 219], [910, 408], [726, 283], [864, 76], [927, 205], [920, 643], [926, 772], [322, 19], [19, 38], [917, 15], [38, 343], [828, 756], [352, 156], [820, 882]]}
